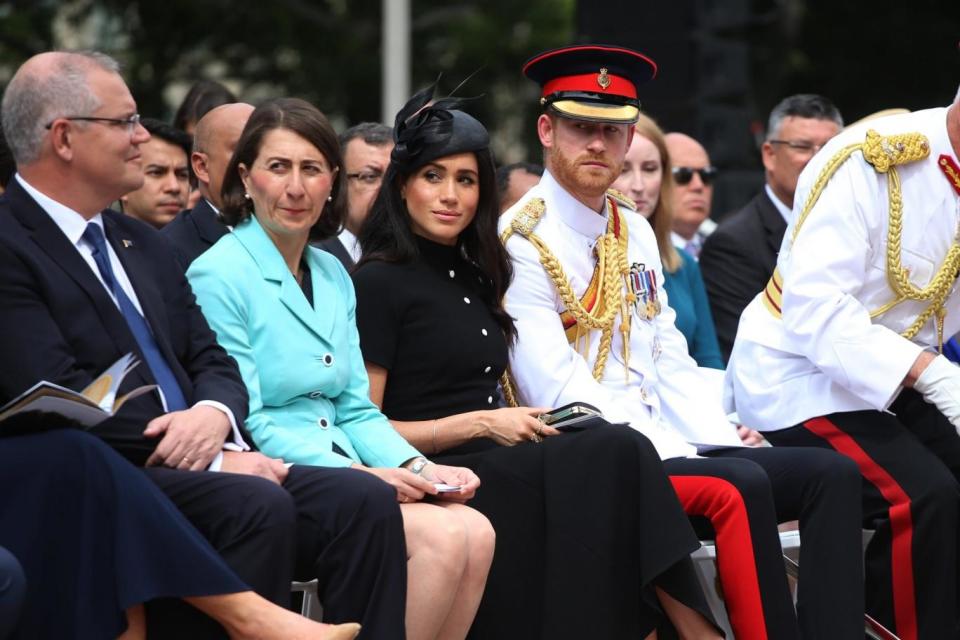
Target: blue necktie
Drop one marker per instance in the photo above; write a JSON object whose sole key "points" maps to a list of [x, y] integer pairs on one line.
{"points": [[138, 326]]}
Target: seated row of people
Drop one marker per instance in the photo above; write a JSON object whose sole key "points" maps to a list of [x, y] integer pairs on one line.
{"points": [[566, 304]]}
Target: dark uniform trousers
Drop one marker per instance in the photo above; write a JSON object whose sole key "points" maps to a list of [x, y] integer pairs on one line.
{"points": [[744, 493], [910, 461], [341, 526]]}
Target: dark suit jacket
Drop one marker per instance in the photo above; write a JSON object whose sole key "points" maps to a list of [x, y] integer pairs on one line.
{"points": [[334, 246], [58, 323], [737, 260], [194, 231]]}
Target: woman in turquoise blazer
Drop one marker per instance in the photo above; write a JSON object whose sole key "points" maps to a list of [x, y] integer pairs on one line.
{"points": [[286, 312]]}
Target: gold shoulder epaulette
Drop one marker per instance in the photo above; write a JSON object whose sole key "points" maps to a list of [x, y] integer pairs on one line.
{"points": [[528, 217], [884, 152], [622, 198]]}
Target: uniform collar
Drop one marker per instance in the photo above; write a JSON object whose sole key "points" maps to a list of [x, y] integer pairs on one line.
{"points": [[571, 211]]}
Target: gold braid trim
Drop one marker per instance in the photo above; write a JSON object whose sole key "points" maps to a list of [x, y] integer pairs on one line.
{"points": [[613, 267], [884, 153]]}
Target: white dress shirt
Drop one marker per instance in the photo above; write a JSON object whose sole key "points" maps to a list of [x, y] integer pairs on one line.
{"points": [[72, 224], [662, 393], [784, 210], [827, 354], [351, 244]]}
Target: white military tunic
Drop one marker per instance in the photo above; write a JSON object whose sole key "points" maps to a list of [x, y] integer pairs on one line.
{"points": [[666, 396], [826, 354]]}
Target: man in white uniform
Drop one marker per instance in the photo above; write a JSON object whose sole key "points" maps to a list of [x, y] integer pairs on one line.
{"points": [[594, 326], [839, 350]]}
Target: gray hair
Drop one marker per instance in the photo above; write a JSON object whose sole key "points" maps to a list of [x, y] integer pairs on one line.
{"points": [[373, 133], [34, 99], [802, 105]]}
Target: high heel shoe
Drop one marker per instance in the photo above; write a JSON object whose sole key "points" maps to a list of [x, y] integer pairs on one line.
{"points": [[346, 631]]}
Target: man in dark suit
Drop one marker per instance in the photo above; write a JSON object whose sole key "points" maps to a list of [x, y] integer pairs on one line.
{"points": [[366, 154], [738, 258], [82, 286], [195, 230]]}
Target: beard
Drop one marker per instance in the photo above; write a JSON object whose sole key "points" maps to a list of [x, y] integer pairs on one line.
{"points": [[582, 180]]}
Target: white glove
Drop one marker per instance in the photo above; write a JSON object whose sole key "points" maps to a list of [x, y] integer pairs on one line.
{"points": [[940, 385]]}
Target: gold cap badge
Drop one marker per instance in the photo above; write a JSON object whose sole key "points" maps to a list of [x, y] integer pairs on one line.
{"points": [[603, 79]]}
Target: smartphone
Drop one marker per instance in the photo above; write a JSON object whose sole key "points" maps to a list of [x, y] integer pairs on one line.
{"points": [[566, 417], [446, 488]]}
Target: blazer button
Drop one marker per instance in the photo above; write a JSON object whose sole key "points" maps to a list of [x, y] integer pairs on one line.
{"points": [[324, 423], [328, 359], [489, 399], [483, 331], [487, 369], [316, 394]]}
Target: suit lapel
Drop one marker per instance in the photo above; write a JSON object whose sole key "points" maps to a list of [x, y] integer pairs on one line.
{"points": [[58, 248], [209, 227], [773, 223], [138, 269], [256, 241]]}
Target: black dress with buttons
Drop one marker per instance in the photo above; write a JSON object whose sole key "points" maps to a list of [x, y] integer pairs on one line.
{"points": [[586, 522]]}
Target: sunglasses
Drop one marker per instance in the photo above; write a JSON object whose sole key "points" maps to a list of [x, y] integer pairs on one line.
{"points": [[683, 175]]}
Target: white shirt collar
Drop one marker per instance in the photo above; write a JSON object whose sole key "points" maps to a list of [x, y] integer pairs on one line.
{"points": [[571, 211], [784, 210], [70, 222], [350, 243]]}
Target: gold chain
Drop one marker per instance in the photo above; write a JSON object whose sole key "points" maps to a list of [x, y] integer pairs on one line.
{"points": [[884, 153]]}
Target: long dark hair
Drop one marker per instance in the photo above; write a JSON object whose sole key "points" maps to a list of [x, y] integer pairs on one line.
{"points": [[308, 122], [387, 235]]}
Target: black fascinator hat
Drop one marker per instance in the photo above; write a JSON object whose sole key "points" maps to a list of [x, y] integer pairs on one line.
{"points": [[423, 132]]}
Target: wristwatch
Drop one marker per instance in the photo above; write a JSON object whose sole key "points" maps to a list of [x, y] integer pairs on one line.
{"points": [[418, 465]]}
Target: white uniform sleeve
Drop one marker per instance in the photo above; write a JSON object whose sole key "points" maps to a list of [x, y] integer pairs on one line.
{"points": [[822, 317]]}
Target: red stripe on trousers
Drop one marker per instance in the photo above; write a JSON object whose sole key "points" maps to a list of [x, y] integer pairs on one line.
{"points": [[901, 522], [720, 501]]}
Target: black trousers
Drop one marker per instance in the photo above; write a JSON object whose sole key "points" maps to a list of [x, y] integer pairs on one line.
{"points": [[909, 461], [340, 526], [744, 492]]}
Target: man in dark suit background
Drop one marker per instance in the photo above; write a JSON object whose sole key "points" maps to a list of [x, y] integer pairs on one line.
{"points": [[739, 256], [195, 230], [366, 151], [82, 286]]}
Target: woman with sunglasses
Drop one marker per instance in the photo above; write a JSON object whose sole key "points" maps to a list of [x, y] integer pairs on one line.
{"points": [[591, 540], [648, 180]]}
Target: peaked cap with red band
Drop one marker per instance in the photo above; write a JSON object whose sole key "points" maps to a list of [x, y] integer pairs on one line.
{"points": [[593, 82]]}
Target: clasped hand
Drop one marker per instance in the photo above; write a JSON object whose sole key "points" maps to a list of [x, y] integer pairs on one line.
{"points": [[189, 439]]}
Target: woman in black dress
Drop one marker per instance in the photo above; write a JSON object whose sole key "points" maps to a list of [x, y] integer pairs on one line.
{"points": [[97, 541], [591, 541]]}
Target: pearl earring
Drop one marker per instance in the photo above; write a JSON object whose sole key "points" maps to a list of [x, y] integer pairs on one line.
{"points": [[329, 198], [246, 195]]}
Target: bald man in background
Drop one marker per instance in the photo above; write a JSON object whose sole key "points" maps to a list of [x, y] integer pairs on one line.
{"points": [[692, 194], [195, 230]]}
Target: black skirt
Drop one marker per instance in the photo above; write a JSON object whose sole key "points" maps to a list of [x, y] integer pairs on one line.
{"points": [[587, 523], [95, 537]]}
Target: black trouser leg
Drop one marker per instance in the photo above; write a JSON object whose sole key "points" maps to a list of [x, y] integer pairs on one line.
{"points": [[911, 499], [350, 537], [821, 489]]}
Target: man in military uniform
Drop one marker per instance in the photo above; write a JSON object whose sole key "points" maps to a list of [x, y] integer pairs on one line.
{"points": [[839, 350], [595, 326]]}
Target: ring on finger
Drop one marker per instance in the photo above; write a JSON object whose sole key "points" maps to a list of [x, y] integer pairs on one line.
{"points": [[540, 430], [536, 438]]}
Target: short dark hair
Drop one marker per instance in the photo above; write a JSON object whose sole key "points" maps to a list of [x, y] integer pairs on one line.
{"points": [[802, 105], [503, 173], [308, 122], [203, 96], [168, 133], [375, 134]]}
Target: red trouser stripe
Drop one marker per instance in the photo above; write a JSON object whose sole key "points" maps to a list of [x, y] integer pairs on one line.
{"points": [[901, 522], [720, 501]]}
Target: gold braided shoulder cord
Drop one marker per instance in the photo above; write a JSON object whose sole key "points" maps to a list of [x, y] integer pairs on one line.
{"points": [[884, 153], [612, 262]]}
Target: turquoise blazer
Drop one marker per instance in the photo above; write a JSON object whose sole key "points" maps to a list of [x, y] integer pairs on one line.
{"points": [[302, 366]]}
